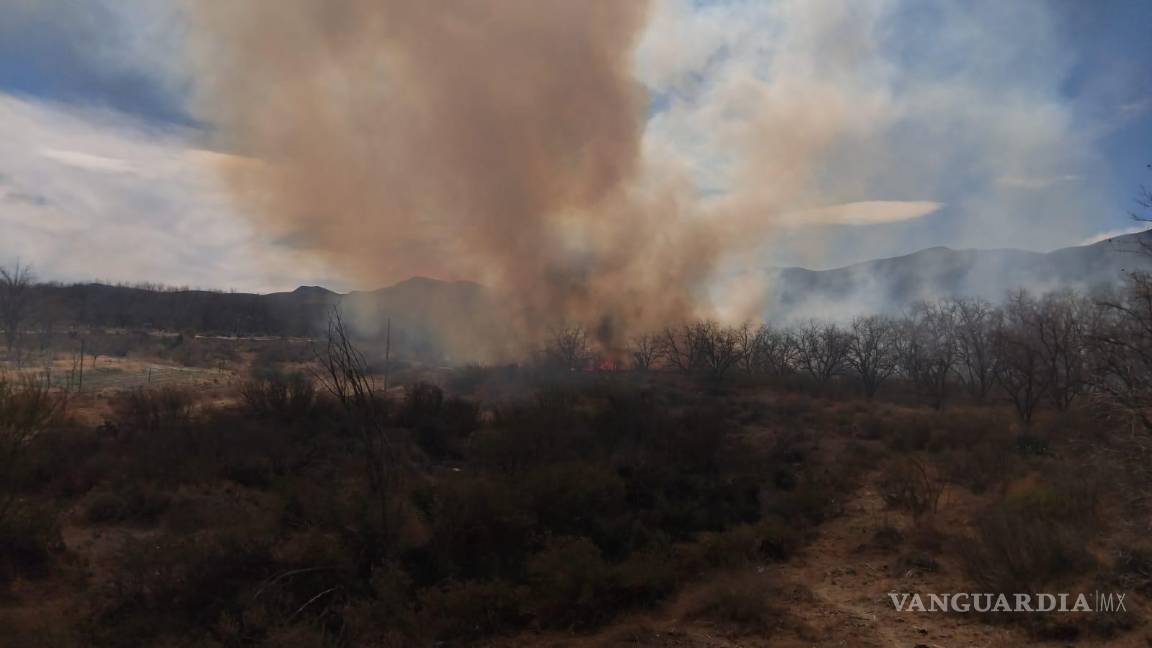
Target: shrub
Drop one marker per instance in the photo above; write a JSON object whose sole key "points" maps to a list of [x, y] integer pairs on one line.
{"points": [[745, 598], [908, 485], [153, 410], [284, 398], [470, 610], [439, 423], [29, 536], [1133, 567], [135, 502], [1026, 541], [569, 581]]}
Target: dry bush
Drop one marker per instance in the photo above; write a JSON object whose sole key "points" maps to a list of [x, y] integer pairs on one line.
{"points": [[28, 532], [464, 611], [1132, 569], [29, 542], [440, 425], [135, 502], [569, 583], [770, 540], [280, 397], [910, 485], [747, 599], [1029, 540], [152, 410], [168, 586]]}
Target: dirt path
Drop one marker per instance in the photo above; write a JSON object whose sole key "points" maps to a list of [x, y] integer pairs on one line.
{"points": [[850, 579]]}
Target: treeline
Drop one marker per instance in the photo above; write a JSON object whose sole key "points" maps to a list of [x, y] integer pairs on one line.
{"points": [[1028, 350], [34, 313]]}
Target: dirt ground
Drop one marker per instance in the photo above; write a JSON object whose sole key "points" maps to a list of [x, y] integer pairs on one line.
{"points": [[836, 594]]}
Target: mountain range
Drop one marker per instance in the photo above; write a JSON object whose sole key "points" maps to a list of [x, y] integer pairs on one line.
{"points": [[461, 320], [888, 285]]}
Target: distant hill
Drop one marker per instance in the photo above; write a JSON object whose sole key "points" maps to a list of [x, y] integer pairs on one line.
{"points": [[894, 283], [459, 320], [430, 318]]}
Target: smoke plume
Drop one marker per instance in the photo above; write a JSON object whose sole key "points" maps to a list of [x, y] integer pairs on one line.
{"points": [[497, 141], [622, 166]]}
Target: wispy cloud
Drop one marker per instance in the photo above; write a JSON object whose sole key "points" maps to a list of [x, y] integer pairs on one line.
{"points": [[95, 194], [870, 212], [1035, 182], [84, 160], [850, 103]]}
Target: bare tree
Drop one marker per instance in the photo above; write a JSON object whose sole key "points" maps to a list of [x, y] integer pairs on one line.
{"points": [[779, 348], [683, 348], [645, 350], [1023, 372], [975, 322], [15, 298], [1120, 349], [567, 348], [723, 348], [822, 350], [1059, 330], [344, 373], [1119, 337], [926, 351], [751, 341], [872, 351]]}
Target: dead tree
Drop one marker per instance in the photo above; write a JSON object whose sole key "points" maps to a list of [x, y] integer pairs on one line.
{"points": [[1120, 350], [1119, 337], [567, 348], [684, 348], [1023, 370], [752, 346], [344, 373], [926, 351], [821, 351], [779, 349], [723, 348], [15, 298], [975, 322], [872, 351], [645, 351], [1059, 330]]}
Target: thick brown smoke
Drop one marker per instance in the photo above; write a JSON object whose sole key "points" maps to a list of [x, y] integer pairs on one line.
{"points": [[508, 142], [493, 140]]}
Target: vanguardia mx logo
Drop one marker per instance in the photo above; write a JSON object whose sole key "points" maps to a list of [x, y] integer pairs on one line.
{"points": [[982, 602]]}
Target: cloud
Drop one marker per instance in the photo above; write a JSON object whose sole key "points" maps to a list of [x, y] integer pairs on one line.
{"points": [[86, 160], [94, 194], [779, 113], [1035, 182], [121, 54], [843, 103], [1104, 236], [870, 212]]}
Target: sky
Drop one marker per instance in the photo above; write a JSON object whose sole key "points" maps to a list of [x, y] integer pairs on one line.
{"points": [[974, 123]]}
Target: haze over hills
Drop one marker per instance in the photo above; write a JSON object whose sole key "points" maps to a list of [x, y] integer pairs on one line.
{"points": [[460, 320], [885, 285]]}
